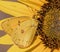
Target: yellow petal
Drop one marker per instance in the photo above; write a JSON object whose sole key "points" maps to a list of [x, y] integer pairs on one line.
{"points": [[6, 40], [15, 8], [46, 50], [35, 4], [56, 50], [14, 48], [40, 47]]}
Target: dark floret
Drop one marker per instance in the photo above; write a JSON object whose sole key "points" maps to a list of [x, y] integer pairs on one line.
{"points": [[50, 28]]}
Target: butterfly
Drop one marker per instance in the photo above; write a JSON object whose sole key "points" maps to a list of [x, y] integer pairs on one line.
{"points": [[21, 29]]}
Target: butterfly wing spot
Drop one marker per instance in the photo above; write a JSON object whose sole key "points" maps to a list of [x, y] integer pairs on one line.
{"points": [[19, 39], [22, 31], [18, 23]]}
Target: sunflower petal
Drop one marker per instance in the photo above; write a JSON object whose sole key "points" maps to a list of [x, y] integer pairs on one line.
{"points": [[14, 48], [15, 8], [38, 45], [47, 50], [6, 40], [9, 0], [35, 4], [56, 50]]}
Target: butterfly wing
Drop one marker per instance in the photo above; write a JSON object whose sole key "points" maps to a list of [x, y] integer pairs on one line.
{"points": [[21, 29], [11, 23]]}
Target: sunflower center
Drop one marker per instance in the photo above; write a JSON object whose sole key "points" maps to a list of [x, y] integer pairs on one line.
{"points": [[51, 29], [51, 24]]}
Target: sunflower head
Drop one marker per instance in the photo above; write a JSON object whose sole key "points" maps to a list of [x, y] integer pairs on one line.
{"points": [[50, 27]]}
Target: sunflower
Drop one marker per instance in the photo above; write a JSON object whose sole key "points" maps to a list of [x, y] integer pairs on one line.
{"points": [[33, 9], [50, 28]]}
